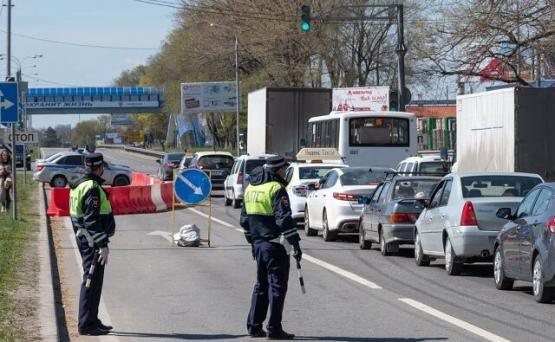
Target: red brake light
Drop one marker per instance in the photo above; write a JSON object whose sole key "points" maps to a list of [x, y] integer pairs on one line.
{"points": [[300, 190], [551, 225], [468, 217], [403, 217], [345, 197], [240, 178], [39, 167]]}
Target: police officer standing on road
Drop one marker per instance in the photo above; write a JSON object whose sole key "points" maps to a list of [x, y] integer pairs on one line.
{"points": [[93, 223], [270, 229]]}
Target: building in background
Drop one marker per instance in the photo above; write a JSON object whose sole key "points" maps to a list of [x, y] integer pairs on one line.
{"points": [[436, 124]]}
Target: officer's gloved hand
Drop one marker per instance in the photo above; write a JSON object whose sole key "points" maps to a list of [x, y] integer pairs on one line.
{"points": [[253, 253], [297, 253], [103, 255]]}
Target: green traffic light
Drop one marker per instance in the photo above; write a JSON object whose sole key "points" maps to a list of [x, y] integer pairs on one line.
{"points": [[305, 27]]}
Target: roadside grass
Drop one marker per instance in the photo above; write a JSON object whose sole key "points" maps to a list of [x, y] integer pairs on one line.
{"points": [[15, 267]]}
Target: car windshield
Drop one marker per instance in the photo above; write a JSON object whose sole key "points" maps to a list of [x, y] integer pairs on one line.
{"points": [[497, 186], [417, 188], [314, 172], [362, 176], [252, 164], [216, 162], [174, 157], [432, 167]]}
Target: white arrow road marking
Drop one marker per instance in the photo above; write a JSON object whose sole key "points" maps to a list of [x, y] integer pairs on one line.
{"points": [[165, 235], [6, 104], [196, 189]]}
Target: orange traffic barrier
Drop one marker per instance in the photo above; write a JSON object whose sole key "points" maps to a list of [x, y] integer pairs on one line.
{"points": [[59, 202], [119, 200], [167, 193], [139, 178]]}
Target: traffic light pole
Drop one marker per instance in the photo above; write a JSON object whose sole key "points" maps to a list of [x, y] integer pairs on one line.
{"points": [[401, 51]]}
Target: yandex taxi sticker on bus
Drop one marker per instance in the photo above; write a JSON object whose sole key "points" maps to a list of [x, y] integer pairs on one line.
{"points": [[322, 153]]}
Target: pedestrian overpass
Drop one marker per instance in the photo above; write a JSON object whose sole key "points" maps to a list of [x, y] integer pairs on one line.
{"points": [[93, 100]]}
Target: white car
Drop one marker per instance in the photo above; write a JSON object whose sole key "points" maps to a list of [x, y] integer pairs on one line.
{"points": [[334, 207], [236, 182], [298, 176]]}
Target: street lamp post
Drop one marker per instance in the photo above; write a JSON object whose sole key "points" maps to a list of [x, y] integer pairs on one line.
{"points": [[237, 99]]}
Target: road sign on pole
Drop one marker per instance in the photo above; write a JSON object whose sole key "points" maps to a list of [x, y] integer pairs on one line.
{"points": [[8, 102], [192, 186], [22, 138]]}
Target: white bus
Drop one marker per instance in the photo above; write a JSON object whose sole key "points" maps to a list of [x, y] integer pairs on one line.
{"points": [[366, 138]]}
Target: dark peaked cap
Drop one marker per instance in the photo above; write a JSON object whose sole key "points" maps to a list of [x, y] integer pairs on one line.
{"points": [[94, 159], [275, 162]]}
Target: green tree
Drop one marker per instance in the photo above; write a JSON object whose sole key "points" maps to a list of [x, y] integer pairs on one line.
{"points": [[85, 131], [50, 138]]}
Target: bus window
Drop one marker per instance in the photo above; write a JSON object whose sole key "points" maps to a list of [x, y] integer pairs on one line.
{"points": [[378, 131]]}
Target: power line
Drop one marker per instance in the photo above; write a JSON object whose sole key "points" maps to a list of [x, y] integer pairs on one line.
{"points": [[50, 82], [79, 44]]}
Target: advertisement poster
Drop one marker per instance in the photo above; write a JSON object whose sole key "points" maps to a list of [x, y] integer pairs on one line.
{"points": [[208, 97], [360, 99]]}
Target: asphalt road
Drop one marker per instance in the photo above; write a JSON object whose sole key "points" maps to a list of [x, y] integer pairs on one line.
{"points": [[156, 292]]}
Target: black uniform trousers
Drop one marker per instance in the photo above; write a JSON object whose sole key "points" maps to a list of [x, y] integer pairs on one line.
{"points": [[271, 286], [89, 298]]}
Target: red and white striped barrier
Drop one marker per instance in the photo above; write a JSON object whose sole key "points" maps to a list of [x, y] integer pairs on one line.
{"points": [[143, 196]]}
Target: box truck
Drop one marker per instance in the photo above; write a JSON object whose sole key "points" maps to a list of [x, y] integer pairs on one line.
{"points": [[278, 118], [509, 130]]}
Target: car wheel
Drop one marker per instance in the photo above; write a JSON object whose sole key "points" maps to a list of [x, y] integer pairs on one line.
{"points": [[501, 281], [121, 181], [452, 265], [542, 294], [58, 182], [236, 201], [362, 242], [326, 233], [307, 230], [227, 200], [384, 247], [419, 257]]}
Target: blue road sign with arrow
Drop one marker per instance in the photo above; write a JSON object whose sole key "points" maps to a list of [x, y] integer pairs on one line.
{"points": [[8, 102], [192, 186]]}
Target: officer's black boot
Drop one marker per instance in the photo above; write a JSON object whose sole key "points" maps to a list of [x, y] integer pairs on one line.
{"points": [[282, 335]]}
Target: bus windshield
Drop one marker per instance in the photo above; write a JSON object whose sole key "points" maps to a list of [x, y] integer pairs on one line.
{"points": [[378, 131]]}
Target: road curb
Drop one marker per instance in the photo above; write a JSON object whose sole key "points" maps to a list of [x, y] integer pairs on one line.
{"points": [[51, 311]]}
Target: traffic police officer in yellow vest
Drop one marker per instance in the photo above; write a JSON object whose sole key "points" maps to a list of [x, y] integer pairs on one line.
{"points": [[270, 229], [93, 224]]}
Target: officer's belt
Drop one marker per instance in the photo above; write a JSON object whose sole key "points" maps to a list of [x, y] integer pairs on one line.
{"points": [[283, 241]]}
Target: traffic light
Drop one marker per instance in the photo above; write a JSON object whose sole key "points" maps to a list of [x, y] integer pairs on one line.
{"points": [[393, 100], [305, 18]]}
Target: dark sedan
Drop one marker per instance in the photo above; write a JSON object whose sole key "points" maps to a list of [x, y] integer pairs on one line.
{"points": [[389, 215], [525, 247], [168, 164]]}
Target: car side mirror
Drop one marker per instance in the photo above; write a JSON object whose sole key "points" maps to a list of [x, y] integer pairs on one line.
{"points": [[504, 213], [422, 203], [311, 186], [363, 200], [159, 161]]}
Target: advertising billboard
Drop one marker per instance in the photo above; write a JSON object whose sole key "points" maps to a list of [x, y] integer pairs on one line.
{"points": [[208, 97], [360, 99]]}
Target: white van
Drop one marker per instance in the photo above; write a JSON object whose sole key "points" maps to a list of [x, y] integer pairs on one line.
{"points": [[236, 182], [425, 165]]}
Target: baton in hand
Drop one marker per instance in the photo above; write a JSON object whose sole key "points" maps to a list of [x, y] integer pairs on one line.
{"points": [[92, 269], [301, 280]]}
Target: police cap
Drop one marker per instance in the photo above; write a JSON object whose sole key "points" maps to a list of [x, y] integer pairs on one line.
{"points": [[275, 162], [94, 159]]}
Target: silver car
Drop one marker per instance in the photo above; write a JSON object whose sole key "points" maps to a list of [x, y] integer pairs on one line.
{"points": [[460, 222], [68, 166]]}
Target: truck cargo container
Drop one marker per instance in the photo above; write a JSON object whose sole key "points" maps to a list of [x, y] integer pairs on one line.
{"points": [[507, 130], [278, 118]]}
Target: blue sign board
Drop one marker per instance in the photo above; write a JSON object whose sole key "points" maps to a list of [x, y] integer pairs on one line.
{"points": [[8, 102], [192, 186]]}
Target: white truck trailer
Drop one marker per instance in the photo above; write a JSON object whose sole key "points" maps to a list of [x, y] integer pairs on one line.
{"points": [[278, 118], [510, 129]]}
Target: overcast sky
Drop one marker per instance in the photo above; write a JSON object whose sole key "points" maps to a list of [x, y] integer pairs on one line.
{"points": [[116, 23]]}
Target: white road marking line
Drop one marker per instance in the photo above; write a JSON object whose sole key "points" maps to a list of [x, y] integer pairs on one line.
{"points": [[102, 307], [165, 235], [213, 218], [454, 321], [342, 272]]}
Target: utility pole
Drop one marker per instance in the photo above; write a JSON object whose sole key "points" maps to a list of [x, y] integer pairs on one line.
{"points": [[237, 99], [8, 75], [538, 68], [401, 51]]}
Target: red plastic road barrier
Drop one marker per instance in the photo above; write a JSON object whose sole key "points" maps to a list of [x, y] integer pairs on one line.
{"points": [[167, 193], [59, 202], [119, 200], [139, 178]]}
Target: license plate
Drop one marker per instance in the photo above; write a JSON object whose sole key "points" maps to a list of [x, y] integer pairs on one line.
{"points": [[217, 172]]}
